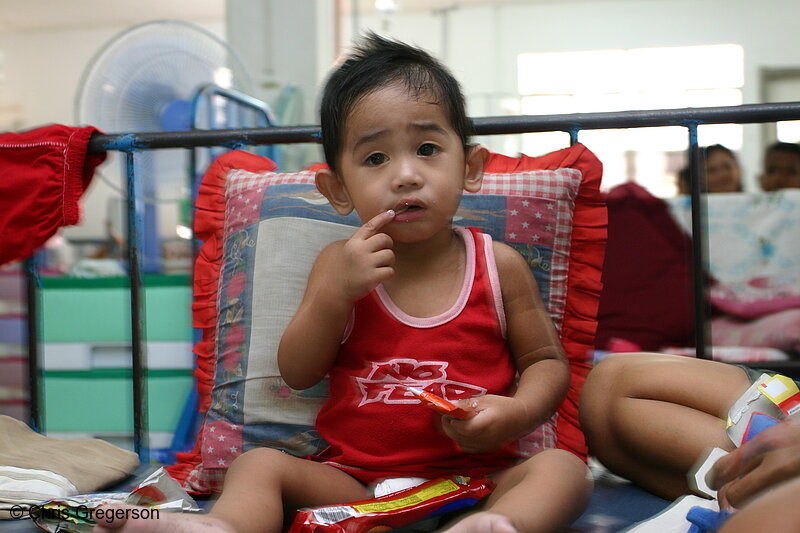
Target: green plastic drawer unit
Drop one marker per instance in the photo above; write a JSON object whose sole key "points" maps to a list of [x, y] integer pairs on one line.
{"points": [[98, 309], [100, 401], [86, 330]]}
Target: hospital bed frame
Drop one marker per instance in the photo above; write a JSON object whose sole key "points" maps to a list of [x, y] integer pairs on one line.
{"points": [[131, 143]]}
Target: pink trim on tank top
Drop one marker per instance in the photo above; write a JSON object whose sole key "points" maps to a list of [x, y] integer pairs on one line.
{"points": [[494, 282], [455, 310], [348, 329]]}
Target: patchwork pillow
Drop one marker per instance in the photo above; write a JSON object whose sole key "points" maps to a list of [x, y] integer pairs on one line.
{"points": [[261, 232]]}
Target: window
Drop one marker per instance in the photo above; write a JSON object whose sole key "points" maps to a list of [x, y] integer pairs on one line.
{"points": [[782, 85], [635, 79]]}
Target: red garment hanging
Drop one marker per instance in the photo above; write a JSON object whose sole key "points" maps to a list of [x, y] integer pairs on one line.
{"points": [[43, 173]]}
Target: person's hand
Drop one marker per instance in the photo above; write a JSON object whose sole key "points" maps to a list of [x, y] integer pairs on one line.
{"points": [[498, 420], [759, 464], [367, 258]]}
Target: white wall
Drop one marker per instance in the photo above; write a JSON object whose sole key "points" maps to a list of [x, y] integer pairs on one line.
{"points": [[286, 43], [485, 40], [42, 71]]}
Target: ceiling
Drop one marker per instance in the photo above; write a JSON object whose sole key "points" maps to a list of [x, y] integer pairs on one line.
{"points": [[34, 15]]}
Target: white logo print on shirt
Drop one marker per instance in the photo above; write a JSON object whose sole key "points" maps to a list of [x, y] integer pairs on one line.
{"points": [[386, 382]]}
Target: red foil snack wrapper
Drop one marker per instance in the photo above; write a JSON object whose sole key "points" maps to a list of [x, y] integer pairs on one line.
{"points": [[432, 498], [440, 405]]}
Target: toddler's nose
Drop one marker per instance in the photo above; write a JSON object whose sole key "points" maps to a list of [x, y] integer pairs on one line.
{"points": [[407, 175]]}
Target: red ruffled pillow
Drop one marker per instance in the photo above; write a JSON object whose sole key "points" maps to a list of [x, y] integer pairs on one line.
{"points": [[262, 231]]}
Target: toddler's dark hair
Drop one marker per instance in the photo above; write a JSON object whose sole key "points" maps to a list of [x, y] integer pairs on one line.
{"points": [[377, 62]]}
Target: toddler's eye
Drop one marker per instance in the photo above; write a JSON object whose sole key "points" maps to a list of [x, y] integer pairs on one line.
{"points": [[428, 149], [375, 159]]}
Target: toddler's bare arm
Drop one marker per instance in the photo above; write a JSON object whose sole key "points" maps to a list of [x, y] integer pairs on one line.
{"points": [[344, 272], [539, 357], [533, 340]]}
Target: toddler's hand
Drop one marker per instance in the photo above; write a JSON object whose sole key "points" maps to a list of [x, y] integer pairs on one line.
{"points": [[367, 257], [498, 421]]}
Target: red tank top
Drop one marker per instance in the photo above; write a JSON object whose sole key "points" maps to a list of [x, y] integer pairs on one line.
{"points": [[375, 427]]}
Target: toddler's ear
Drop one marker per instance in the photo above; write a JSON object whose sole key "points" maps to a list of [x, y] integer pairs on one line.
{"points": [[334, 190], [477, 157]]}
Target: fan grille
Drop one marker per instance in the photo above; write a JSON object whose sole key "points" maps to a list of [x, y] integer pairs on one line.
{"points": [[133, 78]]}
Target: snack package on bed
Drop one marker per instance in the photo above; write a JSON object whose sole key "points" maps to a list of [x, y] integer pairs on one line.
{"points": [[432, 498], [770, 399], [79, 514], [440, 405]]}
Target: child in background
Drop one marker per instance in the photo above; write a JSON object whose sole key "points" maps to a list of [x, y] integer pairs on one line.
{"points": [[781, 167], [409, 300], [722, 171]]}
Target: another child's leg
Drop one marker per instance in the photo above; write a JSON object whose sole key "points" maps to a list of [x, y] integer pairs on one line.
{"points": [[259, 485], [649, 417], [543, 494]]}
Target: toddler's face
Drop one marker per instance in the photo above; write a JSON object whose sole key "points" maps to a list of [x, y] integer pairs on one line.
{"points": [[400, 152]]}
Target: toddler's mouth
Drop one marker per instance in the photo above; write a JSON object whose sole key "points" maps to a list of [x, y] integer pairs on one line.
{"points": [[405, 206]]}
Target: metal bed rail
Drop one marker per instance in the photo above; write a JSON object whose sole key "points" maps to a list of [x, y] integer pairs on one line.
{"points": [[130, 143]]}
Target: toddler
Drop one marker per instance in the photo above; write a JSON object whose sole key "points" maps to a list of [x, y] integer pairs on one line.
{"points": [[411, 301]]}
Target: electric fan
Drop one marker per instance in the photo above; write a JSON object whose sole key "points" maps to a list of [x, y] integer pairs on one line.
{"points": [[145, 80]]}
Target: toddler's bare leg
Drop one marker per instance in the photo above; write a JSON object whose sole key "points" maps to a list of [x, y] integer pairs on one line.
{"points": [[164, 523], [263, 482], [259, 485], [543, 494], [649, 417]]}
